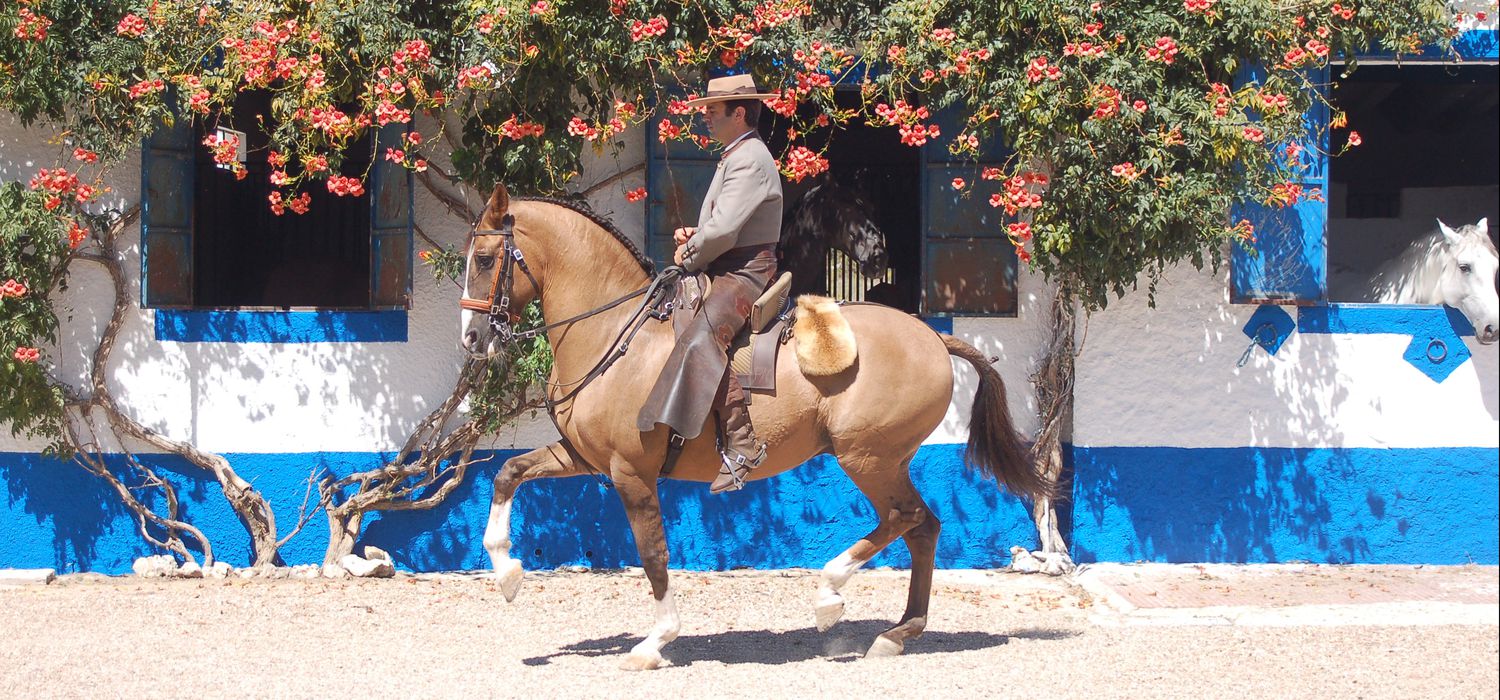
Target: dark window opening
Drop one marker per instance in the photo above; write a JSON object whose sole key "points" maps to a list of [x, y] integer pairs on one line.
{"points": [[1429, 151], [244, 255]]}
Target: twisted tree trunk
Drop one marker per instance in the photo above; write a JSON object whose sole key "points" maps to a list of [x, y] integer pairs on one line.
{"points": [[253, 510], [1053, 380]]}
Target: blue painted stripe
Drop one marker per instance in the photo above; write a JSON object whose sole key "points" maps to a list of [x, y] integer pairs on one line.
{"points": [[281, 326], [61, 517], [1401, 319], [1354, 505], [941, 324]]}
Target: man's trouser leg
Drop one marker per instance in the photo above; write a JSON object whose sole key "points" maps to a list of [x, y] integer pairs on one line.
{"points": [[742, 449]]}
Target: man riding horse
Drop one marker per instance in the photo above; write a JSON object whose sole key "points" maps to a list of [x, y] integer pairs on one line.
{"points": [[734, 243]]}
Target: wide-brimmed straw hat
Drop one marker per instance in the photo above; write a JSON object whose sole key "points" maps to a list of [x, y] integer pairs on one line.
{"points": [[732, 87]]}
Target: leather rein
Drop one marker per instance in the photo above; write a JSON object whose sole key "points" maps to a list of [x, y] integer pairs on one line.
{"points": [[657, 304]]}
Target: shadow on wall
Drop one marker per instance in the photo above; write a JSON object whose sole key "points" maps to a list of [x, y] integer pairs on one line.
{"points": [[1350, 505], [1139, 498], [90, 528], [802, 518], [61, 517]]}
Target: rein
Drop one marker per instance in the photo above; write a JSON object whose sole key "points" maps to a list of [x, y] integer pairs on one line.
{"points": [[657, 305]]}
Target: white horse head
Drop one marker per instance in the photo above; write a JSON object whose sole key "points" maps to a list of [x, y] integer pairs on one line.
{"points": [[1468, 277], [1455, 267]]}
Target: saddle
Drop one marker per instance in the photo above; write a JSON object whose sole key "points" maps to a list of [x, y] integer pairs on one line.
{"points": [[753, 351]]}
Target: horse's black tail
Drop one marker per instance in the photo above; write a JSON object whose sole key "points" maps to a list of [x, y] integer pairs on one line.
{"points": [[995, 448]]}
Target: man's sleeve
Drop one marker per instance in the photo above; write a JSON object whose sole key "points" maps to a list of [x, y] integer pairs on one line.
{"points": [[745, 188]]}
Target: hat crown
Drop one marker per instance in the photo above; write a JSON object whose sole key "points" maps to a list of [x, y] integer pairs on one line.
{"points": [[743, 84]]}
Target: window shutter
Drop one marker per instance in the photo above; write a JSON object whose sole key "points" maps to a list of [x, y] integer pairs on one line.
{"points": [[167, 217], [968, 264], [677, 177], [391, 224], [1289, 264]]}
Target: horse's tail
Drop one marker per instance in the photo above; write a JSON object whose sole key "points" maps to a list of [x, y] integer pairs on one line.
{"points": [[995, 448]]}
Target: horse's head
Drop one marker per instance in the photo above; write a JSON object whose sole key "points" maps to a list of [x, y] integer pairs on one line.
{"points": [[1469, 277], [852, 228], [497, 282]]}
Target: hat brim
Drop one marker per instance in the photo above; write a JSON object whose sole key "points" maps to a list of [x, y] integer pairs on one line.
{"points": [[699, 102]]}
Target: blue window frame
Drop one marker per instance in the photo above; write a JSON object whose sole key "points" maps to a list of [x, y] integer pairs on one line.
{"points": [[168, 236], [1289, 264]]}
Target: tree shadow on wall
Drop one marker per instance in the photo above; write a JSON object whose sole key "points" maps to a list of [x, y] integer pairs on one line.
{"points": [[1265, 502], [802, 518], [91, 528]]}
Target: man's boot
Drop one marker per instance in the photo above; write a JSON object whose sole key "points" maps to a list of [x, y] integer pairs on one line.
{"points": [[741, 449]]}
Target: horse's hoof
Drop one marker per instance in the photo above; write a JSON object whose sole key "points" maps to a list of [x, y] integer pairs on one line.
{"points": [[641, 662], [830, 611], [509, 575], [885, 646]]}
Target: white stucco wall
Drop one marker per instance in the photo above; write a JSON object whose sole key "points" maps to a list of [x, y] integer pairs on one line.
{"points": [[1146, 377], [364, 397], [1168, 377]]}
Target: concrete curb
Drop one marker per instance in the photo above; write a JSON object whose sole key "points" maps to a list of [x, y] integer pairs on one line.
{"points": [[1117, 610], [26, 577]]}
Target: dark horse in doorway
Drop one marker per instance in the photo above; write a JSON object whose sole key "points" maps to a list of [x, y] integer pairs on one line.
{"points": [[831, 215]]}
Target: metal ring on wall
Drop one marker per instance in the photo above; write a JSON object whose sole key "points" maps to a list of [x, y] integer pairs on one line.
{"points": [[1441, 348], [1265, 336]]}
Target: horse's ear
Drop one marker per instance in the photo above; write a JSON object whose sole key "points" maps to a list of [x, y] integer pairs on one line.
{"points": [[499, 199], [1449, 235], [1483, 226]]}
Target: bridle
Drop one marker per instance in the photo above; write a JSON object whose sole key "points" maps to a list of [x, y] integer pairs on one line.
{"points": [[658, 303], [501, 283]]}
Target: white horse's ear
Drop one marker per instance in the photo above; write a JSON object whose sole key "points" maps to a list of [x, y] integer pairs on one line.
{"points": [[1452, 237], [1483, 226]]}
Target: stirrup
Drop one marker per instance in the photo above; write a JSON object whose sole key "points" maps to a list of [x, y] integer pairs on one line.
{"points": [[737, 468]]}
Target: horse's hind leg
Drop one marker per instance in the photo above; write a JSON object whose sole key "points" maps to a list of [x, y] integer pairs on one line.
{"points": [[921, 541], [898, 512], [557, 459]]}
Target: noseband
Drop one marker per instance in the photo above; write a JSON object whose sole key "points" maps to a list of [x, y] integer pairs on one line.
{"points": [[501, 283]]}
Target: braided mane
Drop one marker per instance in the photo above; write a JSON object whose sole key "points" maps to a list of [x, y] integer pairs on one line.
{"points": [[582, 208]]}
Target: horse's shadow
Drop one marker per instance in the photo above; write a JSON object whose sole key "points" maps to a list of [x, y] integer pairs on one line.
{"points": [[846, 642]]}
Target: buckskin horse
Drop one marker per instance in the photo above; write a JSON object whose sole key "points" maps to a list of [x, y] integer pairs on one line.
{"points": [[871, 416]]}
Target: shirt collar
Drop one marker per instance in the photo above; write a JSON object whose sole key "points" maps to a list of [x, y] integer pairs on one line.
{"points": [[737, 141]]}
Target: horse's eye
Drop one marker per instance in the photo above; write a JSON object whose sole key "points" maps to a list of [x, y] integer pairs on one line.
{"points": [[485, 262], [1465, 268]]}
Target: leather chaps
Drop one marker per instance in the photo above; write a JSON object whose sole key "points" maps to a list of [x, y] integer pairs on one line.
{"points": [[697, 372]]}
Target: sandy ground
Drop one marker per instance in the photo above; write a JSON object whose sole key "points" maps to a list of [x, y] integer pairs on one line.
{"points": [[990, 634]]}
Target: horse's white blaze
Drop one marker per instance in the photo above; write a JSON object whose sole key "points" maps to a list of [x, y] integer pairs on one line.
{"points": [[836, 573], [465, 316], [666, 628]]}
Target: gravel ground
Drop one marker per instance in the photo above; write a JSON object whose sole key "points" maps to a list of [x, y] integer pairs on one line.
{"points": [[990, 634]]}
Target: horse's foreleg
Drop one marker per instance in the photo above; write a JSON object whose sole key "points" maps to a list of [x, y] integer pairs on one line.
{"points": [[557, 459], [643, 508]]}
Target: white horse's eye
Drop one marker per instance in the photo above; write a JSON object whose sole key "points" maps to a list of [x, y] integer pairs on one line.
{"points": [[1465, 268]]}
